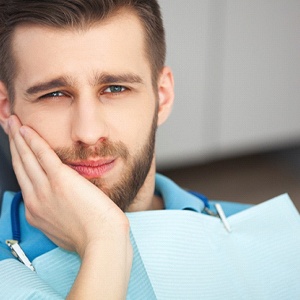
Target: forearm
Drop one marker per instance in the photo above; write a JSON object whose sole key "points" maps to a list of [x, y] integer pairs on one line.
{"points": [[105, 270]]}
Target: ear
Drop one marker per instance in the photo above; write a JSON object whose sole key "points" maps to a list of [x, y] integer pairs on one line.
{"points": [[5, 107], [165, 95]]}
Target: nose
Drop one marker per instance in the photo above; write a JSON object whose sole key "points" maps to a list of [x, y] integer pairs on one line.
{"points": [[88, 123]]}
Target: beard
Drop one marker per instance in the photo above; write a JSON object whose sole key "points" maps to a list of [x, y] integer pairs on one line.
{"points": [[133, 177]]}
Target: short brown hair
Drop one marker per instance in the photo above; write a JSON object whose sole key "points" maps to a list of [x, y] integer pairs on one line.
{"points": [[76, 14]]}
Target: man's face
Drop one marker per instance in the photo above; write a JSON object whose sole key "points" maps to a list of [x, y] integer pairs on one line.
{"points": [[89, 94]]}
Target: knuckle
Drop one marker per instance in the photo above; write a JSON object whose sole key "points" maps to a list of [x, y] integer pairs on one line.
{"points": [[30, 208], [29, 217], [40, 154], [25, 156], [57, 179]]}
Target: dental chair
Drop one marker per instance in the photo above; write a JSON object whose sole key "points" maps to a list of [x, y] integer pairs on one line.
{"points": [[8, 181]]}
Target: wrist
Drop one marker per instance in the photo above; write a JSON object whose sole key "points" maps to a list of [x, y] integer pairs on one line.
{"points": [[115, 237]]}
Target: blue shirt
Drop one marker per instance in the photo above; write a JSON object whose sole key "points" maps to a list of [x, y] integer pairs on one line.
{"points": [[34, 243], [181, 253]]}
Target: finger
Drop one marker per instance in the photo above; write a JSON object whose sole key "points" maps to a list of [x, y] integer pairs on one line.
{"points": [[26, 157], [14, 125], [46, 157], [23, 179]]}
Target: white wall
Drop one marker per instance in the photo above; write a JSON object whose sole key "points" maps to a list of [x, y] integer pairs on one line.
{"points": [[261, 74], [237, 73]]}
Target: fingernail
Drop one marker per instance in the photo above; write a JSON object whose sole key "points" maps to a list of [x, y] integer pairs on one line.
{"points": [[22, 130]]}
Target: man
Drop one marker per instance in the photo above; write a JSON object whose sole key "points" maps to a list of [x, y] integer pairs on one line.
{"points": [[83, 89], [87, 78]]}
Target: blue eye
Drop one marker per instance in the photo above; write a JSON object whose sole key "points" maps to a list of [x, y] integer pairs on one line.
{"points": [[115, 89], [53, 95]]}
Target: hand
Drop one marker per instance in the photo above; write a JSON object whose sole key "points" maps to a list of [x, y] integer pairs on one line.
{"points": [[74, 214], [69, 209]]}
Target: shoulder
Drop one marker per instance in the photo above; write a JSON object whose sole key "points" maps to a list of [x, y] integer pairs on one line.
{"points": [[33, 242], [176, 197]]}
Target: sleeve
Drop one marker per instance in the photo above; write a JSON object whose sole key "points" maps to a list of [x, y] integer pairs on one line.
{"points": [[19, 282]]}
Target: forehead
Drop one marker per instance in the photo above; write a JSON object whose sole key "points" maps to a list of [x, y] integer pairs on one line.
{"points": [[116, 43]]}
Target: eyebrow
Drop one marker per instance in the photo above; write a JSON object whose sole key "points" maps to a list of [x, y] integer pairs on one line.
{"points": [[106, 78], [98, 79], [48, 85]]}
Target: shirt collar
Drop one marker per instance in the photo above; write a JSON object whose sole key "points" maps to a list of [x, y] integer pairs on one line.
{"points": [[175, 197]]}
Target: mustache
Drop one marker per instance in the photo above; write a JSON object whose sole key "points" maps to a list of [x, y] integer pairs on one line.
{"points": [[82, 152]]}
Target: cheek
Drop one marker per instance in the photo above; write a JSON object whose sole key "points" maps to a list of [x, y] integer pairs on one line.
{"points": [[136, 128], [139, 132], [51, 127]]}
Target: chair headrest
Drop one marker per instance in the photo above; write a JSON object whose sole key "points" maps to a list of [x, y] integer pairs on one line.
{"points": [[8, 181]]}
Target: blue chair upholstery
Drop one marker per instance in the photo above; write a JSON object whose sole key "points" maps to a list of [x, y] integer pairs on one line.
{"points": [[8, 179]]}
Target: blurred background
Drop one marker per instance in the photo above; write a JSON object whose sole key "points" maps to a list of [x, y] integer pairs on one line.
{"points": [[234, 133]]}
